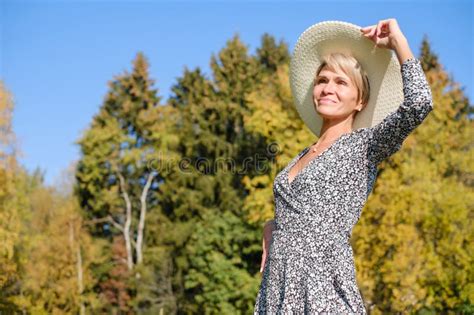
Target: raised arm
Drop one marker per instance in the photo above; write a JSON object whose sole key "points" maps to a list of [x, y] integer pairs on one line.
{"points": [[387, 136]]}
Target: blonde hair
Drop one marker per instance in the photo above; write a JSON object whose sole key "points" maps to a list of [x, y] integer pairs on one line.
{"points": [[352, 68]]}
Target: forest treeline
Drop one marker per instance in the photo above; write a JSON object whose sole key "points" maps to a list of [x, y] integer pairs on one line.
{"points": [[162, 213]]}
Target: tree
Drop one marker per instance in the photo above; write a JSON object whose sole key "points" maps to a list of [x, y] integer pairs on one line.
{"points": [[56, 273], [215, 245], [114, 178], [12, 202]]}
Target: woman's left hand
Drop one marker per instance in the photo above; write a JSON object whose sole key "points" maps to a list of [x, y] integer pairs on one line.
{"points": [[386, 34]]}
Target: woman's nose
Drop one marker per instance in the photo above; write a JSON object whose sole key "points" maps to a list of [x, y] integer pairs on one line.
{"points": [[328, 88]]}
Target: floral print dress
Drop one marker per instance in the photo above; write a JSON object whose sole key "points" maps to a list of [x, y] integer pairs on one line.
{"points": [[310, 266]]}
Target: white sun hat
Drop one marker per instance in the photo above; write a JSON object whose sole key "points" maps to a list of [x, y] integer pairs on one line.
{"points": [[381, 65]]}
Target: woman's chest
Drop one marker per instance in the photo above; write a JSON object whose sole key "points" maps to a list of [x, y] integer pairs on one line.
{"points": [[344, 165]]}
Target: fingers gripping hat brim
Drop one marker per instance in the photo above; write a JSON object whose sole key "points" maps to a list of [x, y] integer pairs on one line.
{"points": [[380, 64]]}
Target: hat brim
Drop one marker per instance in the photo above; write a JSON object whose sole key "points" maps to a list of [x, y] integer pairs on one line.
{"points": [[380, 64]]}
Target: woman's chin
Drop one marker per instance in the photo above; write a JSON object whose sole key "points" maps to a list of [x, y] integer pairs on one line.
{"points": [[326, 112]]}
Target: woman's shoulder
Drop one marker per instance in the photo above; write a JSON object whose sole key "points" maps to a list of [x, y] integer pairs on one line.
{"points": [[359, 134], [355, 142]]}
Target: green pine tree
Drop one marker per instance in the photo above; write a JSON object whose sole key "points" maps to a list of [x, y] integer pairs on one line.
{"points": [[114, 177]]}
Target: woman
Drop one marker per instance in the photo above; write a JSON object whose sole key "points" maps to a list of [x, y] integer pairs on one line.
{"points": [[307, 259]]}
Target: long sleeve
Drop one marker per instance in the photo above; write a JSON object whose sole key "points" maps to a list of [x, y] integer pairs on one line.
{"points": [[387, 136]]}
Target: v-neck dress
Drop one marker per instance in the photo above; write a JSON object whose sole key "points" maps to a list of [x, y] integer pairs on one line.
{"points": [[310, 265]]}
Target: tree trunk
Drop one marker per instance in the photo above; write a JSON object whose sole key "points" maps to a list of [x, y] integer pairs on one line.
{"points": [[80, 281], [128, 222], [141, 224]]}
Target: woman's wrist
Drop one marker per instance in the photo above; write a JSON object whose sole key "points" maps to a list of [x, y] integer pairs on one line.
{"points": [[402, 49]]}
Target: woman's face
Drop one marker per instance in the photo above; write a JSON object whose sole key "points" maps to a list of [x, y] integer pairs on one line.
{"points": [[334, 94]]}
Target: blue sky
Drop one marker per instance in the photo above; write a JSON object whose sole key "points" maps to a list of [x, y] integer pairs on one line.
{"points": [[56, 57]]}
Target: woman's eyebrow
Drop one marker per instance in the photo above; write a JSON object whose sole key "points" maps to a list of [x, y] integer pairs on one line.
{"points": [[338, 77]]}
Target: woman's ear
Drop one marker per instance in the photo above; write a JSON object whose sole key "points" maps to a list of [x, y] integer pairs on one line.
{"points": [[360, 106]]}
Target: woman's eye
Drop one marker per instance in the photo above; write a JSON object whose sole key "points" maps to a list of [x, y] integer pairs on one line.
{"points": [[322, 80]]}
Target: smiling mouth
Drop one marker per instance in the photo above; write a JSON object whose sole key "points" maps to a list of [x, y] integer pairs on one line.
{"points": [[323, 101]]}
